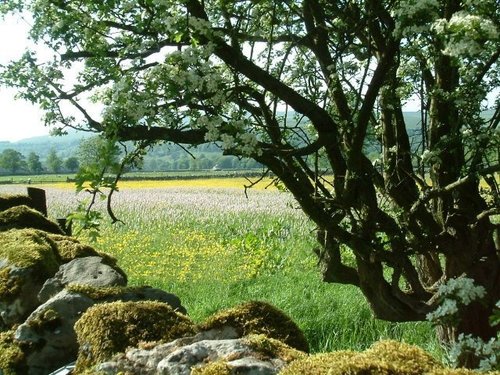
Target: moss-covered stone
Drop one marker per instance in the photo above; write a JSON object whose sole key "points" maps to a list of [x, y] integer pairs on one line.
{"points": [[70, 248], [409, 359], [12, 358], [98, 293], [269, 348], [109, 328], [386, 357], [46, 320], [320, 364], [9, 201], [20, 217], [24, 249], [257, 317]]}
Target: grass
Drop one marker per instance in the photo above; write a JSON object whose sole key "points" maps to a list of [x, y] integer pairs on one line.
{"points": [[215, 248]]}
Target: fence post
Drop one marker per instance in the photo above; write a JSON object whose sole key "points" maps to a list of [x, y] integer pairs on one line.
{"points": [[39, 199]]}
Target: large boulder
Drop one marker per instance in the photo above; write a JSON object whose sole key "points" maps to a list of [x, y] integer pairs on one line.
{"points": [[109, 328], [256, 317], [20, 217], [27, 259], [48, 333], [251, 355]]}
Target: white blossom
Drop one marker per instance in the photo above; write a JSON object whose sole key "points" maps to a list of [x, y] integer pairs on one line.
{"points": [[228, 141]]}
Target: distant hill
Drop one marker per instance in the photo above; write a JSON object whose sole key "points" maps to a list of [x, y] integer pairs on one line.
{"points": [[166, 157], [65, 145]]}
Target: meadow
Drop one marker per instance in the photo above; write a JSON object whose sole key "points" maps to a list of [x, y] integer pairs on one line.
{"points": [[215, 247]]}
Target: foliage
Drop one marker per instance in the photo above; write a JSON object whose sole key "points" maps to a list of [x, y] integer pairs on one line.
{"points": [[53, 162], [12, 160], [71, 164], [303, 84], [33, 163], [456, 294]]}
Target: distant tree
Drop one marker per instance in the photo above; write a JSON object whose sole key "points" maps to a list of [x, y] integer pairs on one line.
{"points": [[12, 160], [72, 164], [53, 162], [97, 153], [33, 162]]}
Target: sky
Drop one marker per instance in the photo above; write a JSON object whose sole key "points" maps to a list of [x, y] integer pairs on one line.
{"points": [[20, 119]]}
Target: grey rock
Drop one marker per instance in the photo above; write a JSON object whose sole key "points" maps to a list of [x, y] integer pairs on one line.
{"points": [[88, 270], [179, 357], [49, 330], [183, 359]]}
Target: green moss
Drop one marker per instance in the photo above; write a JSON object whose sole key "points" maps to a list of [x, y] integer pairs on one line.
{"points": [[98, 293], [409, 359], [10, 286], [272, 348], [257, 317], [386, 357], [46, 320], [9, 201], [25, 248], [319, 364], [70, 248], [24, 217], [11, 355], [109, 328], [213, 368]]}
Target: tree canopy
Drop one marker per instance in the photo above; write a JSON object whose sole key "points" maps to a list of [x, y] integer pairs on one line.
{"points": [[304, 87], [12, 160]]}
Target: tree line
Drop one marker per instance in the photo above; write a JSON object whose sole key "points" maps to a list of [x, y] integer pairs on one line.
{"points": [[159, 159], [14, 162]]}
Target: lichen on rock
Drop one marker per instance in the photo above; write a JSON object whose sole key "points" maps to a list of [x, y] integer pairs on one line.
{"points": [[256, 317], [109, 328]]}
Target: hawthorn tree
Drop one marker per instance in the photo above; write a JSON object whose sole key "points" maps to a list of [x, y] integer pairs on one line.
{"points": [[309, 88]]}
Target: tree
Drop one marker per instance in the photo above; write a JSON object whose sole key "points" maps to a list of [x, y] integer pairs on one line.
{"points": [[96, 153], [33, 163], [53, 162], [12, 160], [289, 83], [71, 164]]}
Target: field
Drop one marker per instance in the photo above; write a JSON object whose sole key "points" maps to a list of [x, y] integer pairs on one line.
{"points": [[205, 241]]}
